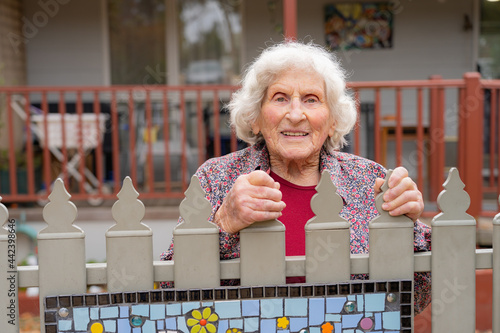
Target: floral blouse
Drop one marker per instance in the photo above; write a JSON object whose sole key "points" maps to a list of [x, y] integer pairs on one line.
{"points": [[354, 178]]}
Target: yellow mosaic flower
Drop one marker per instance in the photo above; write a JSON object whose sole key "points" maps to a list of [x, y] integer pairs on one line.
{"points": [[203, 322], [283, 322], [234, 330]]}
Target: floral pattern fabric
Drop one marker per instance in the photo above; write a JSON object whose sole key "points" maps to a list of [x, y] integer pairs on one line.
{"points": [[354, 178]]}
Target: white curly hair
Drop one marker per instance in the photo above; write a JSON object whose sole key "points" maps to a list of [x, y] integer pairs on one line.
{"points": [[245, 104]]}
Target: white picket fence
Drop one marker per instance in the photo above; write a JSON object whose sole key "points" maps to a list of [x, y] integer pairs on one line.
{"points": [[130, 260]]}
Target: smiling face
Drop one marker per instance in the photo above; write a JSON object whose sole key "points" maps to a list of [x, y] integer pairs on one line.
{"points": [[295, 119]]}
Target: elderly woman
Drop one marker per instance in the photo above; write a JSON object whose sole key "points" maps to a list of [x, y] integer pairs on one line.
{"points": [[294, 110]]}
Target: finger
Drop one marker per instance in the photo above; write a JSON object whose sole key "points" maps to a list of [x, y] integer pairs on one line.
{"points": [[265, 205], [377, 187], [261, 178], [400, 201], [264, 192], [397, 175], [404, 184], [259, 216], [411, 209]]}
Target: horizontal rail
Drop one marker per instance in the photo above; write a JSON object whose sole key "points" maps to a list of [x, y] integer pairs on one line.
{"points": [[230, 269]]}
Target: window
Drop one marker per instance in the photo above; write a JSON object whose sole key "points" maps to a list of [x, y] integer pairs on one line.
{"points": [[137, 41], [209, 41], [489, 40]]}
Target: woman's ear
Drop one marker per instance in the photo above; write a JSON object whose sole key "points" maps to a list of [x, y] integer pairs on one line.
{"points": [[256, 127], [331, 130]]}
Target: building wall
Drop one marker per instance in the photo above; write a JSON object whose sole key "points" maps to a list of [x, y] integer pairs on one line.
{"points": [[12, 62], [428, 39], [66, 46]]}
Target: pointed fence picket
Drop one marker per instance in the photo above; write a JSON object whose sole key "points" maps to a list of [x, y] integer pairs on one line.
{"points": [[61, 249], [496, 272], [327, 236], [453, 260], [9, 278], [129, 244], [130, 264]]}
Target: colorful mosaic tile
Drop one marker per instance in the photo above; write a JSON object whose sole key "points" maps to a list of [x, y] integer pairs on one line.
{"points": [[355, 307]]}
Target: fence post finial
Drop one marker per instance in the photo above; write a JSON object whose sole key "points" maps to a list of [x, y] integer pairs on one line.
{"points": [[326, 203], [60, 213], [453, 201], [128, 211], [4, 217], [195, 209]]}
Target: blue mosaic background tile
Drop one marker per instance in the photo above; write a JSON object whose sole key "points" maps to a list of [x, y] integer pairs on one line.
{"points": [[381, 306]]}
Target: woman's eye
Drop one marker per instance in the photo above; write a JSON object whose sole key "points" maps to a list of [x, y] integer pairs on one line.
{"points": [[311, 100], [280, 99]]}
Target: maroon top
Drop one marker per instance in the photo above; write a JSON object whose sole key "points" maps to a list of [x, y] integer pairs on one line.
{"points": [[296, 213]]}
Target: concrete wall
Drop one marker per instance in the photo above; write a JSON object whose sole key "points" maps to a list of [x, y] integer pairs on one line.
{"points": [[428, 39], [66, 43]]}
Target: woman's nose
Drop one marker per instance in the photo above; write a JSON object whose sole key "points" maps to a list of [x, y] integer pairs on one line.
{"points": [[296, 112]]}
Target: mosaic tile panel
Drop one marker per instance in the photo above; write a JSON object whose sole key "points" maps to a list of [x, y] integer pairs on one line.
{"points": [[354, 307]]}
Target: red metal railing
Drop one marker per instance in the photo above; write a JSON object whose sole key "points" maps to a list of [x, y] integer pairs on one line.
{"points": [[159, 135]]}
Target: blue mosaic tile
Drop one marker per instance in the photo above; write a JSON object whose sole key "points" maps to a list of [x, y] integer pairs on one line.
{"points": [[251, 324], [228, 309], [351, 321], [338, 327], [181, 324], [296, 324], [207, 304], [360, 302], [173, 309], [188, 306], [136, 330], [333, 317], [124, 311], [250, 307], [268, 325], [124, 326], [64, 325], [160, 324], [375, 302], [378, 321], [149, 327], [316, 311], [315, 330], [140, 310], [223, 326], [271, 308], [81, 318], [109, 326], [236, 323], [391, 320], [109, 312], [351, 297], [157, 311], [171, 323], [296, 307], [335, 304], [94, 313]]}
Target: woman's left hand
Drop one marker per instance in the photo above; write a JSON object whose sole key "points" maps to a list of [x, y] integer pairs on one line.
{"points": [[403, 196]]}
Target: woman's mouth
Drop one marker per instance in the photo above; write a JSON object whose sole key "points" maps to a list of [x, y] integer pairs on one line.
{"points": [[294, 133]]}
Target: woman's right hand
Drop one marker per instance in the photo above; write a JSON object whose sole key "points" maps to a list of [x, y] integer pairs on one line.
{"points": [[254, 197]]}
